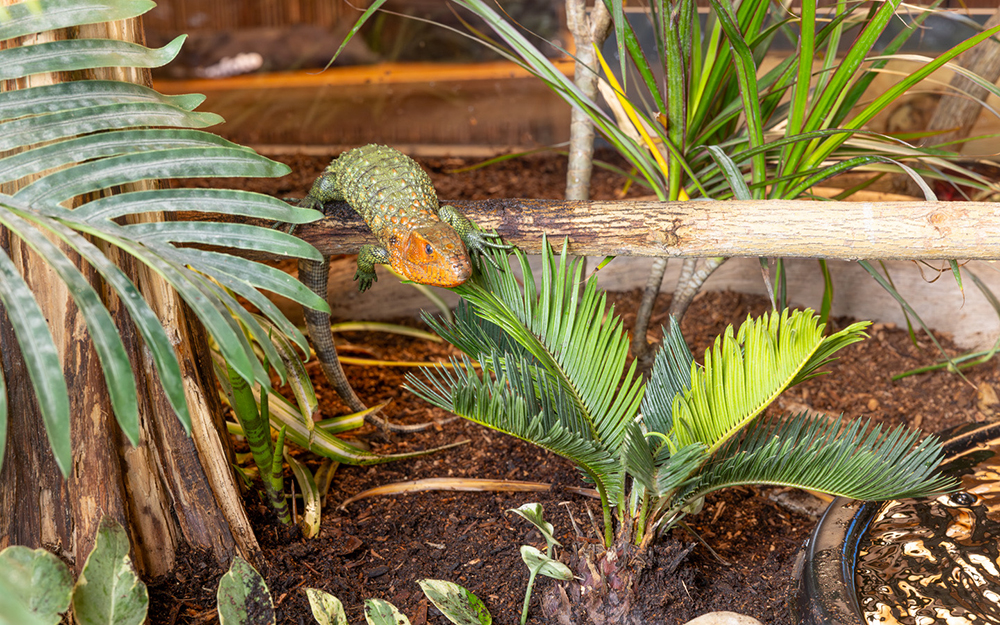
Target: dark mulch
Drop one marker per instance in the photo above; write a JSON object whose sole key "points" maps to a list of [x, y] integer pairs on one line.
{"points": [[379, 547]]}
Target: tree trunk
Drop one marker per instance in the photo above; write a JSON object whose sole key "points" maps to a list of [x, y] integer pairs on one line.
{"points": [[587, 32], [959, 108], [170, 490]]}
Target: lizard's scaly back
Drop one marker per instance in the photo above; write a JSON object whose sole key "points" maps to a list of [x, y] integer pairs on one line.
{"points": [[388, 189]]}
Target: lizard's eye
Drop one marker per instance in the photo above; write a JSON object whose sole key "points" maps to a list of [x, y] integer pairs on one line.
{"points": [[429, 249]]}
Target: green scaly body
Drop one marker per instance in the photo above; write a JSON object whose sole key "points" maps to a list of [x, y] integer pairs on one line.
{"points": [[425, 243]]}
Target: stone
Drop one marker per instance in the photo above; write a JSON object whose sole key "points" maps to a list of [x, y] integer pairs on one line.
{"points": [[723, 618]]}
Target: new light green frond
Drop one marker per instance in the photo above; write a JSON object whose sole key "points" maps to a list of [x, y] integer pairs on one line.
{"points": [[745, 372], [829, 456]]}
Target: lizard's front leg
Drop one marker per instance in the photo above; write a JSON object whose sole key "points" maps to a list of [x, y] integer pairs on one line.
{"points": [[368, 257], [476, 241]]}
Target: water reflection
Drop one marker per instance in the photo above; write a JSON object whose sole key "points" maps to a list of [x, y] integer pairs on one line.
{"points": [[935, 561]]}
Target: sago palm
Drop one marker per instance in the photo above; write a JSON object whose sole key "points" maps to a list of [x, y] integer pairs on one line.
{"points": [[555, 373]]}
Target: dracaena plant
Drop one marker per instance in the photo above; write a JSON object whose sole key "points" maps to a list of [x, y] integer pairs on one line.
{"points": [[70, 144], [697, 116], [554, 373]]}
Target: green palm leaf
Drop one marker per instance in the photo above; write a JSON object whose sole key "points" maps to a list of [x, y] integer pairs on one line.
{"points": [[65, 96], [103, 332], [52, 126], [118, 170], [79, 54], [222, 201], [648, 460], [98, 135], [167, 367], [671, 375], [570, 335], [27, 18], [40, 358], [827, 455], [525, 403], [103, 144]]}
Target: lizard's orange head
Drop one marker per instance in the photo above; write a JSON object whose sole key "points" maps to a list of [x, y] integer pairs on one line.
{"points": [[434, 255]]}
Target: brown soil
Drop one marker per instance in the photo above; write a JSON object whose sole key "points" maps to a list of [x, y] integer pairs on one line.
{"points": [[379, 547]]}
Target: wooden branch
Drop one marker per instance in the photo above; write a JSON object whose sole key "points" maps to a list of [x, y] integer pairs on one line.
{"points": [[843, 230]]}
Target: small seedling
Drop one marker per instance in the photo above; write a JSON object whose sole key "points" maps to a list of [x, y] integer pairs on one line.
{"points": [[536, 561]]}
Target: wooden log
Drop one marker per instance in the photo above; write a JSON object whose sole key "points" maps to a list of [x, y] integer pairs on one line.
{"points": [[803, 229]]}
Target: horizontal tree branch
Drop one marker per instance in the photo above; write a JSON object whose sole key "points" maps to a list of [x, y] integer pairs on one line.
{"points": [[773, 228]]}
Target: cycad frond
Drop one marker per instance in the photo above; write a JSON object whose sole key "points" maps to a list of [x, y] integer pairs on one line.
{"points": [[671, 375], [745, 372], [650, 462], [812, 452], [502, 404], [572, 335], [477, 337]]}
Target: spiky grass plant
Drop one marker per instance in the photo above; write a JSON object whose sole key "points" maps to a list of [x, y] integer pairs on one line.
{"points": [[554, 356]]}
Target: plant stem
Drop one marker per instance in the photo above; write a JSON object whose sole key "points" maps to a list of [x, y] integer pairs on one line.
{"points": [[257, 431], [280, 503], [690, 283], [527, 595], [581, 147], [640, 348], [609, 535]]}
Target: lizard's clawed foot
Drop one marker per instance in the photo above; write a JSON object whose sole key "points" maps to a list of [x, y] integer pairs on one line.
{"points": [[365, 279], [479, 243]]}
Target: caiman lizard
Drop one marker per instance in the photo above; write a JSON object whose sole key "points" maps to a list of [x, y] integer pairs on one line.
{"points": [[424, 242]]}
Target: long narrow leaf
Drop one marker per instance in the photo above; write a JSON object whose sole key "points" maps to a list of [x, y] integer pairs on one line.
{"points": [[77, 54], [64, 96], [25, 19], [41, 359], [78, 121], [173, 163], [222, 201], [814, 453], [101, 327], [114, 143], [145, 320]]}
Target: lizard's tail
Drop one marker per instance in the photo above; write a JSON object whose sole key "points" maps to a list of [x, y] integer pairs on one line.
{"points": [[314, 275]]}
